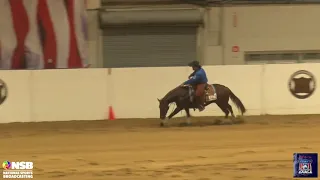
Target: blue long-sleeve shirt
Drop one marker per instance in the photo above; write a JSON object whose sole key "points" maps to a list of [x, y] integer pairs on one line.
{"points": [[199, 77]]}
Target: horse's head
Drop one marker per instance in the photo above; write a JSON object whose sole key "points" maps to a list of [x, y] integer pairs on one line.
{"points": [[172, 96], [164, 107]]}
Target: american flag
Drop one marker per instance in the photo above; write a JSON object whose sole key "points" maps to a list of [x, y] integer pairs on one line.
{"points": [[43, 34]]}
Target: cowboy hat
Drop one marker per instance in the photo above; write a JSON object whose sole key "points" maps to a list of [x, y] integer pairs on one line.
{"points": [[194, 64]]}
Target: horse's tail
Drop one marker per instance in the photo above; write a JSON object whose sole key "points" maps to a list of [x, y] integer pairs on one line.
{"points": [[238, 103]]}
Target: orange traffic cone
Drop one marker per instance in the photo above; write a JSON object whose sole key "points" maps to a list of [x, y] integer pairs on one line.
{"points": [[111, 113]]}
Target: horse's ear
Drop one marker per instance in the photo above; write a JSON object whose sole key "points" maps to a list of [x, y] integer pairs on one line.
{"points": [[158, 99]]}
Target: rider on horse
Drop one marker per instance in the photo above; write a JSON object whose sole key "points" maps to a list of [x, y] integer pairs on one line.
{"points": [[199, 79]]}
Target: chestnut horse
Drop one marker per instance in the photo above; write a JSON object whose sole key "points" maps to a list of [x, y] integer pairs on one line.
{"points": [[181, 97]]}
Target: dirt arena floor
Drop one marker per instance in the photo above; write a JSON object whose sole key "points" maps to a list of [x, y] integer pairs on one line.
{"points": [[138, 149]]}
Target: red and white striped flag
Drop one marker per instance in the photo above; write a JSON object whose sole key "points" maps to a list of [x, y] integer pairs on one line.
{"points": [[37, 34]]}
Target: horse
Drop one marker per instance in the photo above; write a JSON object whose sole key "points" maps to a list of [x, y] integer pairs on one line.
{"points": [[182, 97]]}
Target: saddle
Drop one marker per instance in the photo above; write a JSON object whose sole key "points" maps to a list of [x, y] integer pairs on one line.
{"points": [[209, 93]]}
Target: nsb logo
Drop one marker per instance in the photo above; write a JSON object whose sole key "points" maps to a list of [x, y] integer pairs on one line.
{"points": [[7, 165]]}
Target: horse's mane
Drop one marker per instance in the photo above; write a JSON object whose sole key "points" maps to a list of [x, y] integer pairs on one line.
{"points": [[170, 94]]}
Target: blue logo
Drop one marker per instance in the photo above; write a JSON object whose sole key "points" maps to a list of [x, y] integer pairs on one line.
{"points": [[305, 165]]}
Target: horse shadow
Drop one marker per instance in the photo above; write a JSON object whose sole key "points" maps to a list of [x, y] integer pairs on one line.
{"points": [[205, 121]]}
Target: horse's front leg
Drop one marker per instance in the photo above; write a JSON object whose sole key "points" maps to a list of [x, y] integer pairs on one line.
{"points": [[164, 122], [175, 111]]}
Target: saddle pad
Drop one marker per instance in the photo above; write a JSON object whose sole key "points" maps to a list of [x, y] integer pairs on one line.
{"points": [[212, 95]]}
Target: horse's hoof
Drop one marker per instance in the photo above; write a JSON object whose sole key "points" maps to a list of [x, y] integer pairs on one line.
{"points": [[161, 124], [217, 122], [233, 119]]}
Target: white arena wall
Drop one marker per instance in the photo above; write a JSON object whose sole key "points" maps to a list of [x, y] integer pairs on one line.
{"points": [[85, 94]]}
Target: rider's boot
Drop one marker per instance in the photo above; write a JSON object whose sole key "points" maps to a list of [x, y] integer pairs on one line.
{"points": [[200, 103]]}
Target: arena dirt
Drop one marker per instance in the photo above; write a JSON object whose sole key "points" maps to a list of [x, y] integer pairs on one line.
{"points": [[138, 149]]}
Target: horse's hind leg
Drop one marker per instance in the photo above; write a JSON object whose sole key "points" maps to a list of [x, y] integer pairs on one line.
{"points": [[224, 108], [188, 121], [230, 109]]}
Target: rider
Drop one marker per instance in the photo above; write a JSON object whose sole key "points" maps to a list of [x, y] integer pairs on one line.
{"points": [[199, 79]]}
